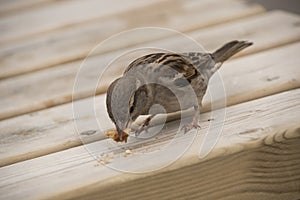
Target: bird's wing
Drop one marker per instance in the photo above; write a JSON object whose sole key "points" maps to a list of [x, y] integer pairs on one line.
{"points": [[174, 67], [147, 59]]}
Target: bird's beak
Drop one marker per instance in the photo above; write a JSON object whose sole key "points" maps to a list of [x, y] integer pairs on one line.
{"points": [[127, 125], [124, 128]]}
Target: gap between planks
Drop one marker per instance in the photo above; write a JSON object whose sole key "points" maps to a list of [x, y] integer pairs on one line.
{"points": [[31, 91], [258, 151], [52, 130]]}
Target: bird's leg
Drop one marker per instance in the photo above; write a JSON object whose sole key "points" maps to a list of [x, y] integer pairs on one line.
{"points": [[194, 123], [144, 126]]}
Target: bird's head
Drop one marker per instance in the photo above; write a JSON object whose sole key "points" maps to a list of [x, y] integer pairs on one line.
{"points": [[125, 101]]}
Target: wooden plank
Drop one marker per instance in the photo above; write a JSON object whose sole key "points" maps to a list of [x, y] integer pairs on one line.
{"points": [[54, 86], [73, 43], [28, 23], [12, 6], [257, 152], [52, 130], [42, 20]]}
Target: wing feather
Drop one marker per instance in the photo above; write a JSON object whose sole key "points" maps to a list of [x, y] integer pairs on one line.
{"points": [[166, 65]]}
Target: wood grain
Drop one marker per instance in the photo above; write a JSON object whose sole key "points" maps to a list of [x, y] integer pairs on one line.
{"points": [[52, 130], [8, 7], [41, 19], [54, 86], [75, 42], [257, 156], [248, 143]]}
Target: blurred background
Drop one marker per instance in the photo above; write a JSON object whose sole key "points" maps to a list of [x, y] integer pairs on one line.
{"points": [[289, 5]]}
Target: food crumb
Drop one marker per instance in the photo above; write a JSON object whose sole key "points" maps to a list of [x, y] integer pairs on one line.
{"points": [[127, 152], [105, 158], [113, 134]]}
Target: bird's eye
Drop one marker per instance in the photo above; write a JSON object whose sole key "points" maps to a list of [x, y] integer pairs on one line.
{"points": [[131, 109]]}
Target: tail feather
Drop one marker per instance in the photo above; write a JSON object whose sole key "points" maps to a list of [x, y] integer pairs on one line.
{"points": [[225, 52]]}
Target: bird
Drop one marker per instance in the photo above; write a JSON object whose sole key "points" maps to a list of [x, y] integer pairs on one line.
{"points": [[160, 78]]}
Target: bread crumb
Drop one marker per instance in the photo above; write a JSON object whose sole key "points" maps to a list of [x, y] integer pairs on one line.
{"points": [[105, 158], [127, 152], [113, 134]]}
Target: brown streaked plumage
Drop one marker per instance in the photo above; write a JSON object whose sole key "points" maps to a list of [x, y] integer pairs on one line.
{"points": [[160, 78]]}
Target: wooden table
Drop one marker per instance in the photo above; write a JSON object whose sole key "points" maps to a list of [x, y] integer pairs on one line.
{"points": [[48, 152]]}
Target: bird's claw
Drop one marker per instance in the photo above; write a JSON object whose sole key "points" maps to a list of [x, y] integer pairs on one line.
{"points": [[189, 127], [142, 128]]}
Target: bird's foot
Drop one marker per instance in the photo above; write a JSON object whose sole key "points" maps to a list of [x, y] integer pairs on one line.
{"points": [[193, 125], [188, 127], [144, 126]]}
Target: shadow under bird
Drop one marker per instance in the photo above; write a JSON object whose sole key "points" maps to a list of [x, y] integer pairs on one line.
{"points": [[166, 79]]}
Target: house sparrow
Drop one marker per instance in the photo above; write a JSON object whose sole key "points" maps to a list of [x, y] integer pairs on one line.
{"points": [[155, 78]]}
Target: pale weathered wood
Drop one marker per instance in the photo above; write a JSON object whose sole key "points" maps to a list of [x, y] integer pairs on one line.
{"points": [[65, 13], [53, 129], [257, 156], [28, 23], [73, 43], [13, 6], [54, 86]]}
